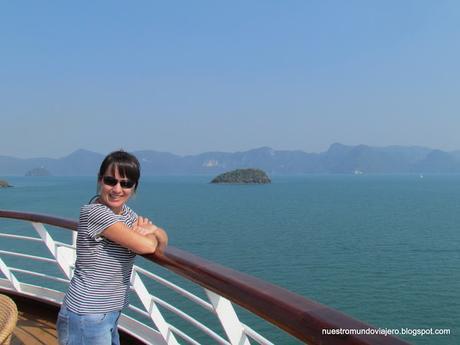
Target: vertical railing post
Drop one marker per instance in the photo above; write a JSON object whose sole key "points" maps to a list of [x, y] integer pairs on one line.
{"points": [[152, 309], [65, 256], [9, 275], [228, 319], [74, 239]]}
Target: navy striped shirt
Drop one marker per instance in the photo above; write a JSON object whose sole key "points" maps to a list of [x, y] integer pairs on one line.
{"points": [[103, 268]]}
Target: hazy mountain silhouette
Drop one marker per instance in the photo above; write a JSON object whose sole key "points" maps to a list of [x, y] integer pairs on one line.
{"points": [[338, 159]]}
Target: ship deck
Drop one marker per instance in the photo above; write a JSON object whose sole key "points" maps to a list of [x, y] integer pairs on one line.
{"points": [[36, 323], [31, 329], [22, 274]]}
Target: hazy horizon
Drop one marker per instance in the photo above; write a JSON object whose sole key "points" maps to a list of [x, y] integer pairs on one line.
{"points": [[221, 151], [193, 77]]}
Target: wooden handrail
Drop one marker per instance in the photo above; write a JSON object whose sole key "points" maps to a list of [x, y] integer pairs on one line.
{"points": [[40, 218], [303, 318]]}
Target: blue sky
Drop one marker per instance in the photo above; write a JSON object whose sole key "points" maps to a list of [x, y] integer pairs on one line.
{"points": [[194, 76]]}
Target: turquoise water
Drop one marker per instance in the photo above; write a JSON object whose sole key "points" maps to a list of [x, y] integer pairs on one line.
{"points": [[383, 249]]}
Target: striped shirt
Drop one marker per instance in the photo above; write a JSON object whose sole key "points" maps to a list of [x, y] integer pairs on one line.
{"points": [[103, 268]]}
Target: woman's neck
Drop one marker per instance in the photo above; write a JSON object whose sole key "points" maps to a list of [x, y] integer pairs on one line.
{"points": [[118, 210]]}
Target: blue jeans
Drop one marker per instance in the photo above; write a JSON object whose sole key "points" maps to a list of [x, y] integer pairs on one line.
{"points": [[87, 329]]}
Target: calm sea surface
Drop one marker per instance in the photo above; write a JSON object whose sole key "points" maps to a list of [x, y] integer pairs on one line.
{"points": [[383, 249]]}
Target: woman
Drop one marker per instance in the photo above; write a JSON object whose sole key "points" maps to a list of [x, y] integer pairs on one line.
{"points": [[110, 235]]}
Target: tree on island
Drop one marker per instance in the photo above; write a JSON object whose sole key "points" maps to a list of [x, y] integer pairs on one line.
{"points": [[246, 176]]}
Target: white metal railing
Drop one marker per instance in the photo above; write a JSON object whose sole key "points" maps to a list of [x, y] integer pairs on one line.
{"points": [[159, 331]]}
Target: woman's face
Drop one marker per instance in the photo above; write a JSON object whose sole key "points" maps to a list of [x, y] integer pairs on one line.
{"points": [[112, 194]]}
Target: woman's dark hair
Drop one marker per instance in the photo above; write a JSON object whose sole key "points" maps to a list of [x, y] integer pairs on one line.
{"points": [[127, 165]]}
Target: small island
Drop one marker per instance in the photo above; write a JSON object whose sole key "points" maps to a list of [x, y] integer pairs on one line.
{"points": [[4, 184], [243, 176], [38, 172]]}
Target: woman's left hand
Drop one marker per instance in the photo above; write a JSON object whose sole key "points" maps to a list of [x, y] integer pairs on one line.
{"points": [[144, 226]]}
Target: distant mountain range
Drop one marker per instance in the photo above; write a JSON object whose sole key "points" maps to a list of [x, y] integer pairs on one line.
{"points": [[338, 159]]}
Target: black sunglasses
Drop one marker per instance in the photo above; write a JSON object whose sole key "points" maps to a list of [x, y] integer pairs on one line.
{"points": [[112, 181]]}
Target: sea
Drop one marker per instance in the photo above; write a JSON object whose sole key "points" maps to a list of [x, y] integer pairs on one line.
{"points": [[384, 249]]}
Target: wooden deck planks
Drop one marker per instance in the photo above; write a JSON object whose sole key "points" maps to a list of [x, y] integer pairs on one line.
{"points": [[32, 329]]}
